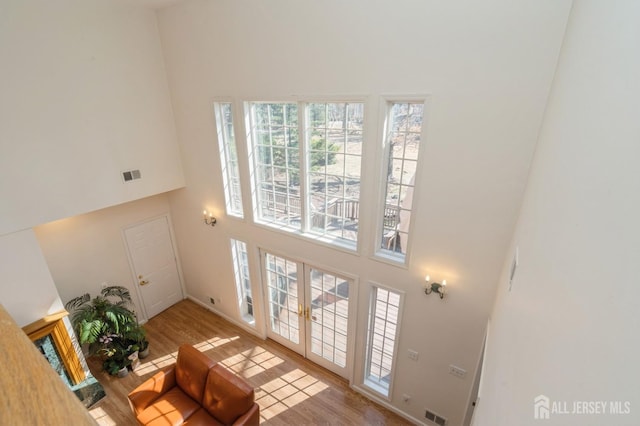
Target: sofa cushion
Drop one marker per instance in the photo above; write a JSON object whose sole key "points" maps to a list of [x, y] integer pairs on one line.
{"points": [[202, 418], [170, 409], [192, 368], [154, 387], [226, 396]]}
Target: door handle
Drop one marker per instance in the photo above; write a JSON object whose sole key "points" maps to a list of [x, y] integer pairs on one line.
{"points": [[308, 314], [299, 309], [142, 282]]}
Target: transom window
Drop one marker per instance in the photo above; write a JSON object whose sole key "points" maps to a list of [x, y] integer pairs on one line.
{"points": [[277, 163], [334, 139], [313, 186], [228, 158], [402, 144]]}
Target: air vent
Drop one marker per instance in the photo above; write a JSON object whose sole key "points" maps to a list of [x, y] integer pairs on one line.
{"points": [[130, 175], [435, 419]]}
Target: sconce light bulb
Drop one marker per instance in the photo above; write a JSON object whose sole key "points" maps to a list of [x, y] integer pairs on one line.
{"points": [[427, 278], [204, 212], [444, 283]]}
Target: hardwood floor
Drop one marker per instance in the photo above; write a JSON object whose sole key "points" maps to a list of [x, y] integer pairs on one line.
{"points": [[289, 389]]}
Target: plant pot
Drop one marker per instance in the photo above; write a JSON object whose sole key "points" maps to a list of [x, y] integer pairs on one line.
{"points": [[123, 372], [135, 361], [143, 354]]}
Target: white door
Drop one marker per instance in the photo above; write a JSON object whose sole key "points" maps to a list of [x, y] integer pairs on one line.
{"points": [[154, 264], [309, 311]]}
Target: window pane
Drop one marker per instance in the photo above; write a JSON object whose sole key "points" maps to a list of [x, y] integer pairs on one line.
{"points": [[334, 144], [276, 161], [381, 340], [330, 329], [404, 130], [228, 158], [329, 203], [243, 283]]}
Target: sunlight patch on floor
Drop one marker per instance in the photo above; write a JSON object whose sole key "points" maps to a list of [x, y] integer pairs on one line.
{"points": [[285, 392], [251, 362], [101, 417], [156, 364], [214, 342]]}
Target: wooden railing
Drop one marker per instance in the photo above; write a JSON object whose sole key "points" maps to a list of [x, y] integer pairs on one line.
{"points": [[284, 204], [280, 203]]}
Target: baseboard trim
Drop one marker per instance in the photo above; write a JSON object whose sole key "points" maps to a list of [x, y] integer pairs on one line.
{"points": [[386, 404], [226, 317]]}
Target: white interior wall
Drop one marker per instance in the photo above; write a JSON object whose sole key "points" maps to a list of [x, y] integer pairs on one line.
{"points": [[87, 250], [568, 328], [488, 68], [84, 97], [28, 290]]}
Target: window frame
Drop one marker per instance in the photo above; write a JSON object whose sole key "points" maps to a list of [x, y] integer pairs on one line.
{"points": [[254, 165], [241, 281], [225, 154], [307, 155], [370, 386], [305, 229], [386, 103]]}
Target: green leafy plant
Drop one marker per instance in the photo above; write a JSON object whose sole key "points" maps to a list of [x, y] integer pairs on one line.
{"points": [[108, 324], [116, 352]]}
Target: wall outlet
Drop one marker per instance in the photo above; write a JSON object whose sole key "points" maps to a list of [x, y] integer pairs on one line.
{"points": [[406, 398], [454, 370], [413, 355]]}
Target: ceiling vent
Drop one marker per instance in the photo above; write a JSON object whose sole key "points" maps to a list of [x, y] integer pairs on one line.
{"points": [[435, 419], [130, 175]]}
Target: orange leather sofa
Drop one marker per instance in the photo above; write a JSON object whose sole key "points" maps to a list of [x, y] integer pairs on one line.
{"points": [[194, 391]]}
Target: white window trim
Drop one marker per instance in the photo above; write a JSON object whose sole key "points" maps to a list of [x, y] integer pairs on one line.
{"points": [[368, 386], [249, 320], [383, 115], [223, 150], [351, 247]]}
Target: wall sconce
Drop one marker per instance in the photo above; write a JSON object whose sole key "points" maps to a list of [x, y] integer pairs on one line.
{"points": [[210, 220], [435, 287]]}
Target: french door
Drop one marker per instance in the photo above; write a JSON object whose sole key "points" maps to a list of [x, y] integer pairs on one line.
{"points": [[309, 311]]}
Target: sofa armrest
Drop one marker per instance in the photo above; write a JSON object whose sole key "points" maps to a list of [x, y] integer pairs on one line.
{"points": [[151, 389], [250, 418]]}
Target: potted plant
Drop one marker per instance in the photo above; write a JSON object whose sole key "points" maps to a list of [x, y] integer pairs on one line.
{"points": [[108, 325], [144, 349], [137, 337], [116, 355]]}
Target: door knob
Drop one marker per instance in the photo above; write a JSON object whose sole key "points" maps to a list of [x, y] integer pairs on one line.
{"points": [[144, 282]]}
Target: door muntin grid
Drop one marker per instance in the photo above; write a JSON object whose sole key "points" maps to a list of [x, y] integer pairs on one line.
{"points": [[329, 319], [282, 288]]}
